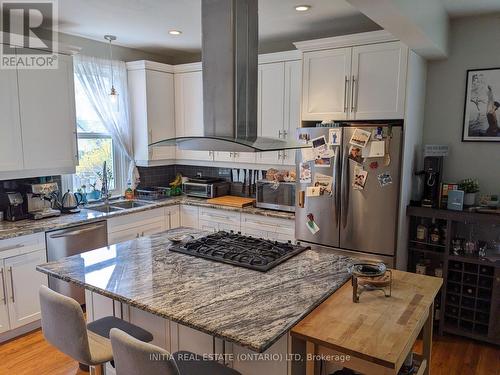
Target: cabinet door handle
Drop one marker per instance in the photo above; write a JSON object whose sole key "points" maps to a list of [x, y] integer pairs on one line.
{"points": [[4, 291], [285, 133], [346, 89], [142, 234], [279, 155], [353, 94], [12, 284]]}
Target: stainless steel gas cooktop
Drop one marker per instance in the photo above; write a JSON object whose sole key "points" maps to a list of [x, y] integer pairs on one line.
{"points": [[243, 251]]}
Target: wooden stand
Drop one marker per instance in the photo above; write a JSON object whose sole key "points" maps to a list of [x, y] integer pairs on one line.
{"points": [[378, 333]]}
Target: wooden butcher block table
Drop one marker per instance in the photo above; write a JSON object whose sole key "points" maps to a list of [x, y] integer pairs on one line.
{"points": [[378, 332]]}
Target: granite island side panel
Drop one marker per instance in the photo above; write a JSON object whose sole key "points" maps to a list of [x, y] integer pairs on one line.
{"points": [[246, 307]]}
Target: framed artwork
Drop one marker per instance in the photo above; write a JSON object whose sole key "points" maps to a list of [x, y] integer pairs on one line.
{"points": [[482, 106]]}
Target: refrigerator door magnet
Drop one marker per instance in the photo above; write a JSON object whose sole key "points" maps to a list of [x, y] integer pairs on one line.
{"points": [[313, 191], [321, 148], [359, 179], [311, 224], [384, 179], [305, 173], [308, 154], [334, 136], [360, 138], [324, 182]]}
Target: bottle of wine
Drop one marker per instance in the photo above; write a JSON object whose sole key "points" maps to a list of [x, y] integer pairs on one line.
{"points": [[434, 233], [422, 231]]}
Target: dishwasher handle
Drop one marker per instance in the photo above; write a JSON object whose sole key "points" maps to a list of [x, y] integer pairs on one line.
{"points": [[76, 232]]}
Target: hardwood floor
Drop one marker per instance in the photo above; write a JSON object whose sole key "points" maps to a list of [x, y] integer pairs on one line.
{"points": [[451, 355]]}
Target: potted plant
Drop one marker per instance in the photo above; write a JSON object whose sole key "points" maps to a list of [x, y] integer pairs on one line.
{"points": [[470, 188]]}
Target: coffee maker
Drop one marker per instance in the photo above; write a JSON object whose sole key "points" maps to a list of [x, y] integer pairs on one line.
{"points": [[41, 200], [432, 174], [13, 204]]}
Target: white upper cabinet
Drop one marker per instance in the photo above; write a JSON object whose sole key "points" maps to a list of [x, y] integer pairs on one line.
{"points": [[354, 77], [11, 150], [48, 120], [379, 72], [151, 87], [326, 77], [279, 92], [271, 107], [189, 111]]}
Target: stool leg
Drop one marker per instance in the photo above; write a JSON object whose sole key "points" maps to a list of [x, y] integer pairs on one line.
{"points": [[97, 370]]}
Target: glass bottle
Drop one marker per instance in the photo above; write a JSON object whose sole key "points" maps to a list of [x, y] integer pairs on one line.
{"points": [[129, 193], [421, 231], [434, 233]]}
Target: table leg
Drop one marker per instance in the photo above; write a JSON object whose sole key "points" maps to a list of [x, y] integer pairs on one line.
{"points": [[310, 362], [427, 339]]}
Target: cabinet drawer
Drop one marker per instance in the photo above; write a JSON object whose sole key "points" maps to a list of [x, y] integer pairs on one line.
{"points": [[220, 216], [21, 245], [133, 220], [269, 224]]}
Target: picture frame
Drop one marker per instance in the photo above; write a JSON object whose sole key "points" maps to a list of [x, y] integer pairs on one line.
{"points": [[481, 120]]}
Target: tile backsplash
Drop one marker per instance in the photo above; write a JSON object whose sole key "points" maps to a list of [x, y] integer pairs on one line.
{"points": [[162, 175]]}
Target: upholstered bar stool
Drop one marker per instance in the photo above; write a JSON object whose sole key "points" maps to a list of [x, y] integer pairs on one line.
{"points": [[63, 326], [134, 357]]}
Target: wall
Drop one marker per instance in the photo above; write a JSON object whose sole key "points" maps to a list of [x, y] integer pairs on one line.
{"points": [[474, 43]]}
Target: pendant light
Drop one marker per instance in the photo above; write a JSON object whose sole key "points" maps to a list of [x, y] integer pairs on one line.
{"points": [[113, 94]]}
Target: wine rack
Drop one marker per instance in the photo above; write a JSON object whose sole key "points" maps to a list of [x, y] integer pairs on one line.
{"points": [[468, 297], [469, 301]]}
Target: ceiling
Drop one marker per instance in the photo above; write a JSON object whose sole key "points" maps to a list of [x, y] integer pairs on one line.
{"points": [[459, 8], [144, 24]]}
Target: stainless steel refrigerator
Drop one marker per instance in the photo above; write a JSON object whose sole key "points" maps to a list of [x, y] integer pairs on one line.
{"points": [[364, 220]]}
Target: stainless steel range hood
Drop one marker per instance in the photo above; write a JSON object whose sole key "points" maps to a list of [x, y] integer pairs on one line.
{"points": [[230, 75]]}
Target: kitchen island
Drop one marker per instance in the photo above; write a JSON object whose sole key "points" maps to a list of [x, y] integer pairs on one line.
{"points": [[239, 309]]}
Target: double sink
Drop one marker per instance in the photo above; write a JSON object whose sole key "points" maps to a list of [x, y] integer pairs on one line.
{"points": [[117, 206]]}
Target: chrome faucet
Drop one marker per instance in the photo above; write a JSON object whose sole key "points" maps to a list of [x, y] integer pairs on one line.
{"points": [[105, 188]]}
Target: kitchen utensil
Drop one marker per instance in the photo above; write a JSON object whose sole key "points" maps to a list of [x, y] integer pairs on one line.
{"points": [[71, 201]]}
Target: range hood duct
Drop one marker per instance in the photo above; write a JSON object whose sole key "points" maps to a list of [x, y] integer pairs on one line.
{"points": [[230, 76]]}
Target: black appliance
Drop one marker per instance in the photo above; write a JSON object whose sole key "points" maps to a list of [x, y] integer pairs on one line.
{"points": [[432, 173], [243, 251], [13, 205]]}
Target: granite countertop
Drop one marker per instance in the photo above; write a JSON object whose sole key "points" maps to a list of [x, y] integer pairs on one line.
{"points": [[24, 227], [246, 307]]}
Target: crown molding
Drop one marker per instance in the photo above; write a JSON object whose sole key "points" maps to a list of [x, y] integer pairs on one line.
{"points": [[186, 68], [351, 40], [149, 65]]}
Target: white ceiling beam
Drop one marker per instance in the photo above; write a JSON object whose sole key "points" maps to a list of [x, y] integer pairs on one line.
{"points": [[420, 24]]}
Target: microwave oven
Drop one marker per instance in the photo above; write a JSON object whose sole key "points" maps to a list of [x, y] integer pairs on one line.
{"points": [[274, 196]]}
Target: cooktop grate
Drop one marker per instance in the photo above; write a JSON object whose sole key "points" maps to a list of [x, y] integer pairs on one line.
{"points": [[243, 251]]}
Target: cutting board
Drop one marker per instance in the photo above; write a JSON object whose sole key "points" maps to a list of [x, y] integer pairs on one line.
{"points": [[232, 201]]}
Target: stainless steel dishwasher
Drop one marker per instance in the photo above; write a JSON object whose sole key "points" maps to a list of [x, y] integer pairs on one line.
{"points": [[72, 241]]}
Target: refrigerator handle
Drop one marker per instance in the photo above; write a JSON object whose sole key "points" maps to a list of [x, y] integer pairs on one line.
{"points": [[337, 177], [345, 189]]}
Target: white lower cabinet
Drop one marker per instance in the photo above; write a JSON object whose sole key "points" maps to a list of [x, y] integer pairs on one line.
{"points": [[20, 281], [127, 227], [172, 217], [189, 216], [268, 227], [214, 220]]}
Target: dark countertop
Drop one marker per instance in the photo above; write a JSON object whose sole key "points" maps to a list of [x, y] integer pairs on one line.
{"points": [[24, 227], [247, 307]]}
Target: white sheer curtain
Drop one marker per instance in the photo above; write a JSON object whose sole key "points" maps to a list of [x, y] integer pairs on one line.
{"points": [[94, 75]]}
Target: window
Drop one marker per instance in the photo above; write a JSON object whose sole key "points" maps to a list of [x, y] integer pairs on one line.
{"points": [[95, 146]]}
